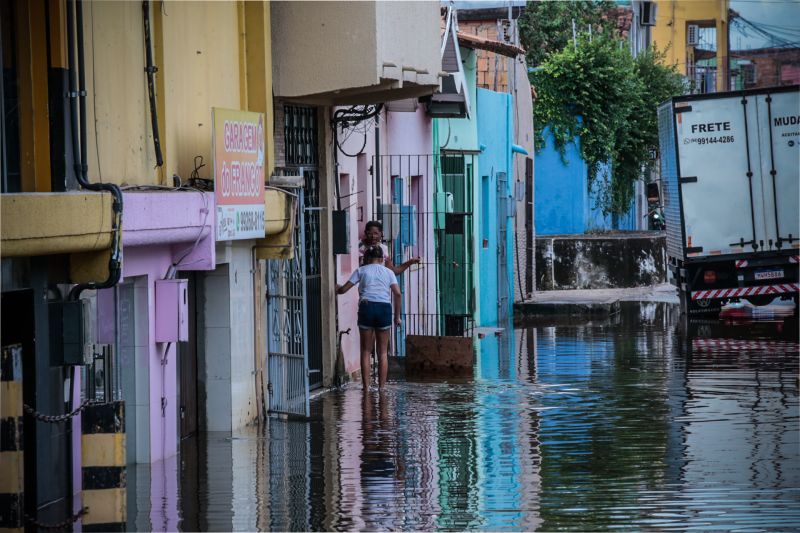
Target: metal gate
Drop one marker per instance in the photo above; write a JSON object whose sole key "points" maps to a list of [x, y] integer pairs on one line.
{"points": [[301, 133], [408, 231], [453, 205], [502, 250], [287, 332], [429, 215]]}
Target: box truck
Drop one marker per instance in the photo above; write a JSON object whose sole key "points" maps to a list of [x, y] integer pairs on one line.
{"points": [[730, 171]]}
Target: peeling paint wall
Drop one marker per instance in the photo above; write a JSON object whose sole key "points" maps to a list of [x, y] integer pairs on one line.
{"points": [[613, 261]]}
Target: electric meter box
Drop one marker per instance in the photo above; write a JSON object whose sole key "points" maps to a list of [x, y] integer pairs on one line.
{"points": [[70, 331], [172, 310]]}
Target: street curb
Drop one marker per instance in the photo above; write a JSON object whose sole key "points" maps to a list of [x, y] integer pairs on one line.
{"points": [[572, 309]]}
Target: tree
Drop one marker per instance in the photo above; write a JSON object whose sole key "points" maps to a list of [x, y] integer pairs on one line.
{"points": [[546, 26], [597, 91]]}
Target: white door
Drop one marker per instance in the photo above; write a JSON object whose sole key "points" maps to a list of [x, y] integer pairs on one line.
{"points": [[779, 138], [718, 160]]}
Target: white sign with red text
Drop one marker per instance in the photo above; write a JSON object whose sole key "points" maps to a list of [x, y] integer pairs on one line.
{"points": [[239, 162]]}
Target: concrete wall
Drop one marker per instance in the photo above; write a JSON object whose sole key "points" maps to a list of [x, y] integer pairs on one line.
{"points": [[409, 36], [205, 57], [586, 262], [324, 47], [226, 340], [311, 39], [121, 141]]}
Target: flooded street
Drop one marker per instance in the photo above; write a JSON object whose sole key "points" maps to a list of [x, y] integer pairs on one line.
{"points": [[633, 422]]}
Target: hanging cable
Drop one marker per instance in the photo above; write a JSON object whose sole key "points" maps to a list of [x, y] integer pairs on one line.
{"points": [[77, 93], [354, 115], [151, 70]]}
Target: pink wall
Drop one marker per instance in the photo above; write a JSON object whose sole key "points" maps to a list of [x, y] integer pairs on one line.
{"points": [[411, 134], [160, 228], [400, 134]]}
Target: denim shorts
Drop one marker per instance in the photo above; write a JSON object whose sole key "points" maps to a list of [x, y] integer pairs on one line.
{"points": [[374, 315]]}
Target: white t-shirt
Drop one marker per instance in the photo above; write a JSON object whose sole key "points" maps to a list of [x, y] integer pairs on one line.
{"points": [[374, 282]]}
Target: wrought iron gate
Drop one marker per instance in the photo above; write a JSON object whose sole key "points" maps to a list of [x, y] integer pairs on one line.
{"points": [[301, 133], [287, 333], [502, 250]]}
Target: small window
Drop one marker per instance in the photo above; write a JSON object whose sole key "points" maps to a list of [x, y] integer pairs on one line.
{"points": [[647, 14]]}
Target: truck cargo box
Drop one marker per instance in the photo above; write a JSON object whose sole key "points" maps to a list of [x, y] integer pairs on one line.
{"points": [[730, 167]]}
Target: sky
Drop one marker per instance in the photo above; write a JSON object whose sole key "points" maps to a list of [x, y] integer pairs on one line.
{"points": [[781, 17]]}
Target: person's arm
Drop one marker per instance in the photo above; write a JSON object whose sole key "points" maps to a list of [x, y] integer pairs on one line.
{"points": [[402, 267], [396, 300], [341, 289], [355, 277]]}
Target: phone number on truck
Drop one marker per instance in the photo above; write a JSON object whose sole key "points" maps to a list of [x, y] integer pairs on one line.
{"points": [[709, 140]]}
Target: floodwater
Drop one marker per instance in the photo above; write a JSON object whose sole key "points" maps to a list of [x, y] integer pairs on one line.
{"points": [[635, 422]]}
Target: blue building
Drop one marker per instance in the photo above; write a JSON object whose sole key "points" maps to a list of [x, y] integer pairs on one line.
{"points": [[565, 205], [494, 200]]}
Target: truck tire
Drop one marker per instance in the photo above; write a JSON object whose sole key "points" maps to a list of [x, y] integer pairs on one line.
{"points": [[709, 308]]}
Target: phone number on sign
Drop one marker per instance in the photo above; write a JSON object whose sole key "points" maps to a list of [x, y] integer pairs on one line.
{"points": [[709, 140]]}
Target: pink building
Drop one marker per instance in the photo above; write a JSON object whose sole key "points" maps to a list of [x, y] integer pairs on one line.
{"points": [[386, 172], [163, 232]]}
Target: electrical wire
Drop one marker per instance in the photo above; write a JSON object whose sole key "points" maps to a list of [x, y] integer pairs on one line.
{"points": [[360, 151]]}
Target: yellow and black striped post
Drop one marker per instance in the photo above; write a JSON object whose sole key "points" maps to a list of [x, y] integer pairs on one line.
{"points": [[103, 466], [12, 464]]}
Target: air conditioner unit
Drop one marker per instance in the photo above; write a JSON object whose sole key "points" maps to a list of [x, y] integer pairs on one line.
{"points": [[692, 35], [647, 13]]}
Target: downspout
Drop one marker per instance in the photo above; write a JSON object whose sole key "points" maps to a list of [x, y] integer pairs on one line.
{"points": [[77, 90], [377, 167]]}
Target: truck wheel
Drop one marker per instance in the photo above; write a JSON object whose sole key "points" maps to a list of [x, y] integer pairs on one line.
{"points": [[709, 308]]}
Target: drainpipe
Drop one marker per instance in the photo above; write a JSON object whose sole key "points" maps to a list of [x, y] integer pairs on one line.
{"points": [[77, 89], [377, 166], [151, 70]]}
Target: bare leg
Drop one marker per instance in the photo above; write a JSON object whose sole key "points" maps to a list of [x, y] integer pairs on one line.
{"points": [[382, 341], [367, 337]]}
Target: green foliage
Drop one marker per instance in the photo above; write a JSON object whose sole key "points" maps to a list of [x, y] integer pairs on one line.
{"points": [[546, 26], [598, 91]]}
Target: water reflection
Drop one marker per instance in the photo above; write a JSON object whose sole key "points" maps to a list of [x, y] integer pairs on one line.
{"points": [[638, 421]]}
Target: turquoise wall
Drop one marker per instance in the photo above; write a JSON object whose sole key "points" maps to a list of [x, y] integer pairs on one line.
{"points": [[495, 123], [461, 134]]}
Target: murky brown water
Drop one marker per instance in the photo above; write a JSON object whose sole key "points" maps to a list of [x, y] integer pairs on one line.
{"points": [[637, 422]]}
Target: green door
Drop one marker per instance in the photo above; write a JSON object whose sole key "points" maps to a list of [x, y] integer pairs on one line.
{"points": [[454, 236]]}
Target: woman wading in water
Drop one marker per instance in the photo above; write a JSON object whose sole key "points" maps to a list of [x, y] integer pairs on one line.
{"points": [[379, 294]]}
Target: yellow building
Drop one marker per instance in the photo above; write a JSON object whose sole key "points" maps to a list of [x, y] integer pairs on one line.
{"points": [[694, 34], [79, 79]]}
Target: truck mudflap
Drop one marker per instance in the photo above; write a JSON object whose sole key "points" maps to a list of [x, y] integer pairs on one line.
{"points": [[760, 290]]}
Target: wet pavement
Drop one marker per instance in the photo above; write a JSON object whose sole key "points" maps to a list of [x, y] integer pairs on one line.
{"points": [[637, 421]]}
